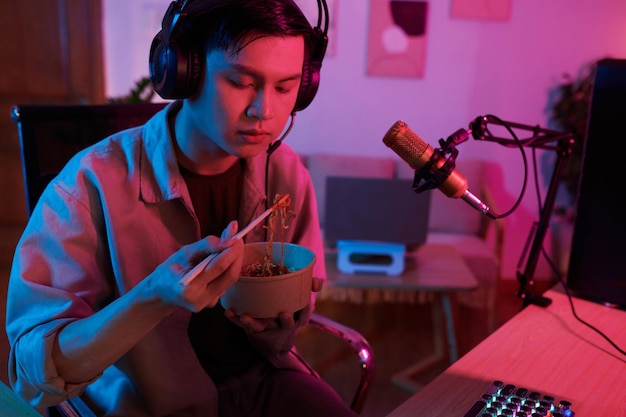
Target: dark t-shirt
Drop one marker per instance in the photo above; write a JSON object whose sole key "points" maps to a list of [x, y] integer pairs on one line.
{"points": [[221, 346]]}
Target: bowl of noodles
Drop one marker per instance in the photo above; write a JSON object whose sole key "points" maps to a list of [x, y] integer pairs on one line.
{"points": [[275, 278]]}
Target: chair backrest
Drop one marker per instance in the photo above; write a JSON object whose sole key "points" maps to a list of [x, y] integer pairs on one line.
{"points": [[51, 134]]}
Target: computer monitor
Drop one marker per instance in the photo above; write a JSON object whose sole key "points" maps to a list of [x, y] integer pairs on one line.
{"points": [[375, 209], [597, 265]]}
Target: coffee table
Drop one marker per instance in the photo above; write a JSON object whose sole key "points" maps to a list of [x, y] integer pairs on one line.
{"points": [[432, 272]]}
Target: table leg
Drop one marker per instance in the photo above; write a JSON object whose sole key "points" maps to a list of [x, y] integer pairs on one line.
{"points": [[453, 351], [441, 311]]}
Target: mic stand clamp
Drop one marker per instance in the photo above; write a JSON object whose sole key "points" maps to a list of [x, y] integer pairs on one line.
{"points": [[431, 175]]}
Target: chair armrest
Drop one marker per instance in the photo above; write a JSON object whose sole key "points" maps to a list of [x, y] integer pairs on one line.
{"points": [[360, 346]]}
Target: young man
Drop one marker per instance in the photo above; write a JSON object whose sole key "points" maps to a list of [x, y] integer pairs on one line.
{"points": [[95, 307]]}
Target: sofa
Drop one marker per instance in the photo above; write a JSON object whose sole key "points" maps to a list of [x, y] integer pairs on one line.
{"points": [[477, 238]]}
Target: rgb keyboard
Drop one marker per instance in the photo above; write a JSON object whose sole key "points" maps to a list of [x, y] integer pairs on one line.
{"points": [[511, 401]]}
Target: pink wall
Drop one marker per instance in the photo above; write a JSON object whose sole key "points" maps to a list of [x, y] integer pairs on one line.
{"points": [[472, 67]]}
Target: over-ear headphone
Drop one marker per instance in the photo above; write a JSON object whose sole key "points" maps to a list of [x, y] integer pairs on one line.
{"points": [[176, 64]]}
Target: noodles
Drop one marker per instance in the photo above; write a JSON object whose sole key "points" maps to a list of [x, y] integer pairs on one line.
{"points": [[268, 268]]}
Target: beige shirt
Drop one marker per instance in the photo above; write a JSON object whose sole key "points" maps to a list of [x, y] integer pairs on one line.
{"points": [[115, 212]]}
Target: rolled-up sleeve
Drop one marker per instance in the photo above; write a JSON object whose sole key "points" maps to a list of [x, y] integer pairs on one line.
{"points": [[32, 372], [47, 290]]}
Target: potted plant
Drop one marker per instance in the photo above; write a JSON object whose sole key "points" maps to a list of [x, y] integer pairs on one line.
{"points": [[569, 112], [141, 93]]}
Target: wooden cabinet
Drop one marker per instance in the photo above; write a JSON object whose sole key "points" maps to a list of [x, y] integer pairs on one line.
{"points": [[51, 52]]}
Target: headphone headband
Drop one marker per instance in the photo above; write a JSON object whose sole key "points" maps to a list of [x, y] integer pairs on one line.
{"points": [[176, 65]]}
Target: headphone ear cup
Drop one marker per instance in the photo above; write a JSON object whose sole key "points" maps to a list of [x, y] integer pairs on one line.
{"points": [[160, 64], [175, 72], [308, 84], [310, 81]]}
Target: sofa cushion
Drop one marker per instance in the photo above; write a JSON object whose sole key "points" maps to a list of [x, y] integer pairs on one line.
{"points": [[322, 166]]}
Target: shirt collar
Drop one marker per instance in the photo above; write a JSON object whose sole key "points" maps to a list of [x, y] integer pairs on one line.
{"points": [[160, 178]]}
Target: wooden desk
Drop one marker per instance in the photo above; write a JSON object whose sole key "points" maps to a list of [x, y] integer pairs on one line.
{"points": [[431, 269], [542, 349]]}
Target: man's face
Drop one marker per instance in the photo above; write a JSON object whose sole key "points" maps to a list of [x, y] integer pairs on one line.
{"points": [[247, 98]]}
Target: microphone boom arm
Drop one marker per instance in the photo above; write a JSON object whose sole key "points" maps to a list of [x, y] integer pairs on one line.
{"points": [[541, 138]]}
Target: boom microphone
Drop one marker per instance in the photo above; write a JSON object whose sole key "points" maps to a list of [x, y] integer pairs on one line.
{"points": [[417, 153]]}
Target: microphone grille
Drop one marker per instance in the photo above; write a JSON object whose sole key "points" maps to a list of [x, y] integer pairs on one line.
{"points": [[406, 143]]}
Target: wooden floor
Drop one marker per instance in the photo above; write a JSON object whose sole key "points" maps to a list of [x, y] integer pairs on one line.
{"points": [[399, 334]]}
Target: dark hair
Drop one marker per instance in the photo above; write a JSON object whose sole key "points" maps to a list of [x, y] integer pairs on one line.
{"points": [[229, 25]]}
